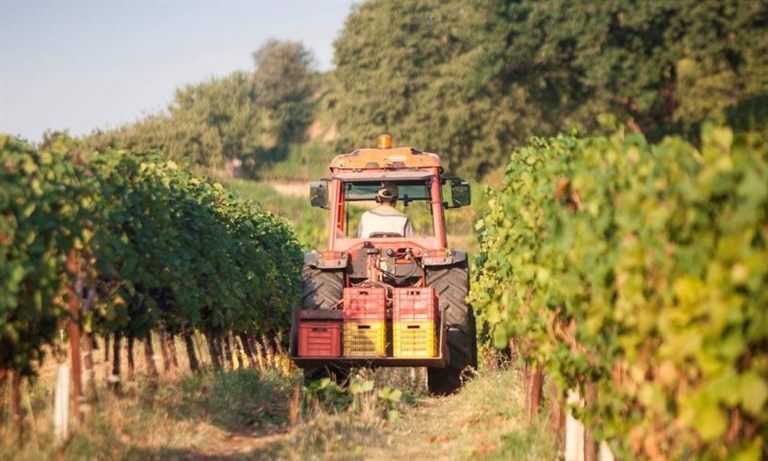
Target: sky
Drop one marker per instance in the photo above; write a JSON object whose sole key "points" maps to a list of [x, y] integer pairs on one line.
{"points": [[98, 64]]}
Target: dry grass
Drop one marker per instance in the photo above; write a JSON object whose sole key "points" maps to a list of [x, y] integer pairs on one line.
{"points": [[485, 421], [208, 415], [246, 415]]}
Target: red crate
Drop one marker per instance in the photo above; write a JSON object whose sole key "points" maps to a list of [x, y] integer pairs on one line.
{"points": [[320, 339], [365, 304], [415, 305]]}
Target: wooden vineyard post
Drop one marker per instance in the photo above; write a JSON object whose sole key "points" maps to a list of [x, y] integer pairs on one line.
{"points": [[4, 374], [114, 377], [556, 411], [16, 403], [74, 334], [149, 359], [580, 443], [89, 375], [194, 364], [534, 391], [590, 444]]}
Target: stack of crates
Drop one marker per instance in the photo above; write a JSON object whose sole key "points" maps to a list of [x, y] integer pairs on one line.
{"points": [[365, 330], [415, 314]]}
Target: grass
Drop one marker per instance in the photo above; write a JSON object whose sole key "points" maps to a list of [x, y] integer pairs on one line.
{"points": [[486, 420], [246, 414], [300, 163], [198, 415]]}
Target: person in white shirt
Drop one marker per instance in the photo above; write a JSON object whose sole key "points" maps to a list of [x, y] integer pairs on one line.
{"points": [[385, 218]]}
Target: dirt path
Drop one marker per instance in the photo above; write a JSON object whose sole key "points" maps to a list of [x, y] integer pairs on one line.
{"points": [[485, 420], [470, 425]]}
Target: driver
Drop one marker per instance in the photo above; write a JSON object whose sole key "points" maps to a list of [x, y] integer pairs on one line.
{"points": [[385, 218]]}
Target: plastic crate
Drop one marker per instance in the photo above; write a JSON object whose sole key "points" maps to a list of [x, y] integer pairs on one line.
{"points": [[365, 304], [365, 339], [415, 305], [320, 339], [414, 339]]}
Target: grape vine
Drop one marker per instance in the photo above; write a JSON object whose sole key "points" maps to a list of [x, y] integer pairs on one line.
{"points": [[641, 270], [162, 247]]}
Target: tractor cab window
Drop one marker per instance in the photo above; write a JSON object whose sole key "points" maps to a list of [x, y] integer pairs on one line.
{"points": [[413, 200]]}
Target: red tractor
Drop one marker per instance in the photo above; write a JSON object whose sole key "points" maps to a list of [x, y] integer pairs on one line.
{"points": [[391, 298]]}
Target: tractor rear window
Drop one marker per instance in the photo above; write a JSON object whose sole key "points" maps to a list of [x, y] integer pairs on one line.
{"points": [[357, 192], [413, 200]]}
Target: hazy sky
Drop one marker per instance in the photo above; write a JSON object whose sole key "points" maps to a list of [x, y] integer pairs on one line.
{"points": [[81, 65]]}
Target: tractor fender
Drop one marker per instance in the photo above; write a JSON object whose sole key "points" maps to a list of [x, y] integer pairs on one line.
{"points": [[444, 259], [326, 260]]}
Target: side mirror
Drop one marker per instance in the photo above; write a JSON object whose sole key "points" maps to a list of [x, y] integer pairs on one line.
{"points": [[318, 194], [460, 194]]}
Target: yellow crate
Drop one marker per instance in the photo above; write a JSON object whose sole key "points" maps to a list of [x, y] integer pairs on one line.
{"points": [[414, 339], [365, 339]]}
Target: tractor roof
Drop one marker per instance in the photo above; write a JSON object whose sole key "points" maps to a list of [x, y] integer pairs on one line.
{"points": [[385, 157]]}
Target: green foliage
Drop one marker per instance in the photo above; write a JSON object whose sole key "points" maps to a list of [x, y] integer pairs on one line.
{"points": [[390, 399], [235, 399], [302, 162], [643, 270], [210, 123], [159, 244], [310, 224], [242, 117], [357, 397], [327, 394], [471, 80], [414, 82], [285, 84], [45, 206]]}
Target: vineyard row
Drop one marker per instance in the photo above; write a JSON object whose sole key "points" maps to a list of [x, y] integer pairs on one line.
{"points": [[136, 244], [637, 275]]}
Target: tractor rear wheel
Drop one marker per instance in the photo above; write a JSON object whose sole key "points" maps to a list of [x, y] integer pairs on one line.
{"points": [[322, 290], [452, 285]]}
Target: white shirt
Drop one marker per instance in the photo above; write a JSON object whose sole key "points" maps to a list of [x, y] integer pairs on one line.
{"points": [[384, 218]]}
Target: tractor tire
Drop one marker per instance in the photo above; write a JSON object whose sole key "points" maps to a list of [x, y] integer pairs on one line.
{"points": [[452, 286], [322, 290]]}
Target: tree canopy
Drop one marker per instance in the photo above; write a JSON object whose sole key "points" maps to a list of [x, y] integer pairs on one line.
{"points": [[239, 116], [471, 80], [474, 80]]}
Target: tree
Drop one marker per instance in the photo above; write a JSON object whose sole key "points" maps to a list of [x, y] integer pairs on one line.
{"points": [[473, 80], [284, 81], [406, 68], [219, 115], [209, 123]]}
